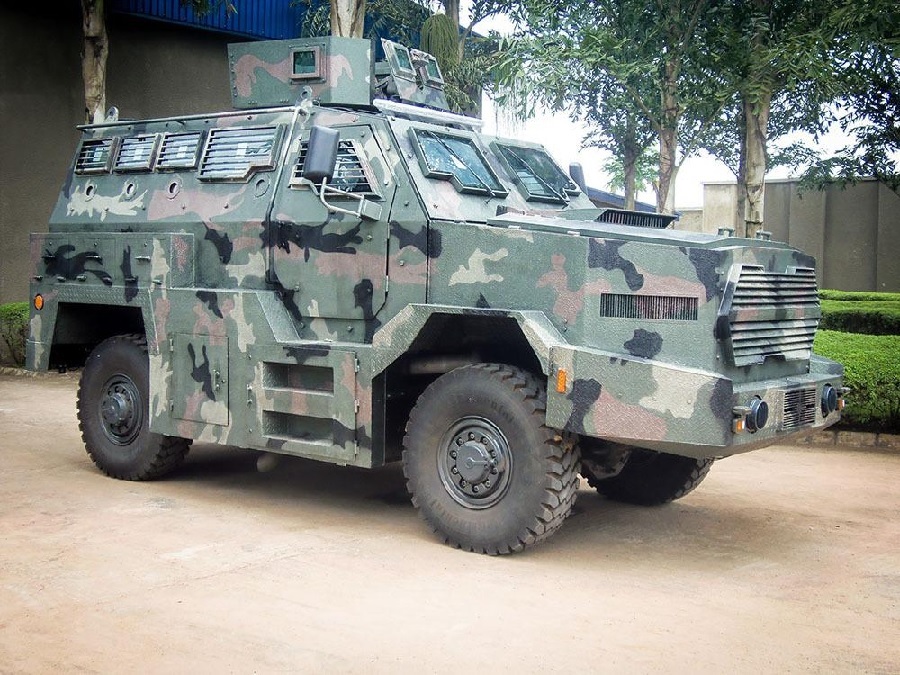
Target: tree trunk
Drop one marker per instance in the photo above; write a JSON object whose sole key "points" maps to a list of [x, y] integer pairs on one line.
{"points": [[93, 60], [668, 139], [740, 200], [630, 171], [665, 193], [348, 18], [757, 123]]}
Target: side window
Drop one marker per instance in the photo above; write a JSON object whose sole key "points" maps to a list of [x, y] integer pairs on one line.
{"points": [[179, 151], [536, 173], [136, 153], [235, 154], [352, 174], [457, 159], [95, 155]]}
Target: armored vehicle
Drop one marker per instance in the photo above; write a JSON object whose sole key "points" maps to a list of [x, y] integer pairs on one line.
{"points": [[342, 269]]}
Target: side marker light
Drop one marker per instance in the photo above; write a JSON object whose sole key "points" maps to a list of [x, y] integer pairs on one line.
{"points": [[561, 380], [39, 302]]}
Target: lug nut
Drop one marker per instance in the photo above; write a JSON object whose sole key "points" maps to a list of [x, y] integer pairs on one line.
{"points": [[471, 436], [453, 454], [454, 470]]}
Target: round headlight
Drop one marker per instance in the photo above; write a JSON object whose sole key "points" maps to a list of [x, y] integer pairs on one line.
{"points": [[829, 400], [758, 415]]}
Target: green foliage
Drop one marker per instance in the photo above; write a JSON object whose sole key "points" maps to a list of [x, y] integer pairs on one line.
{"points": [[870, 313], [853, 296], [440, 39], [872, 371], [867, 50], [14, 329], [395, 18]]}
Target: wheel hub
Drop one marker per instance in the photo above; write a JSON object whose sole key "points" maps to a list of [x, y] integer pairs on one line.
{"points": [[474, 463], [120, 410]]}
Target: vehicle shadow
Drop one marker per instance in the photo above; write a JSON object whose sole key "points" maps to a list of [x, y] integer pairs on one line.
{"points": [[707, 529]]}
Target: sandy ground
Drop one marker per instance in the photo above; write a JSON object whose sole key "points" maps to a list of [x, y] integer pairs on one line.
{"points": [[784, 560]]}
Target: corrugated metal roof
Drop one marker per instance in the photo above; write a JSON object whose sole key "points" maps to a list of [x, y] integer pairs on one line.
{"points": [[267, 19]]}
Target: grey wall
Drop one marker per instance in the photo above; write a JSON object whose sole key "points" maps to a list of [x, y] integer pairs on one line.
{"points": [[154, 70], [854, 232]]}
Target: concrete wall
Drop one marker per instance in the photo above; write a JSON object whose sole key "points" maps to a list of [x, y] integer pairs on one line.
{"points": [[854, 233], [154, 70]]}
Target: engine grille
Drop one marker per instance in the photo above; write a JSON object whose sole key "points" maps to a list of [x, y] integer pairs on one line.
{"points": [[799, 408], [635, 218], [772, 315]]}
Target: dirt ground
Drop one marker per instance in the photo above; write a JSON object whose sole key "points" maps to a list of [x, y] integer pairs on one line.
{"points": [[784, 560]]}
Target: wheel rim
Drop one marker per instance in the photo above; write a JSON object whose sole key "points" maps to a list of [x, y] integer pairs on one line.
{"points": [[475, 463], [121, 410]]}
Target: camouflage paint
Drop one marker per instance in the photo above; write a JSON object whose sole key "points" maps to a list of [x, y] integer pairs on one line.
{"points": [[273, 321]]}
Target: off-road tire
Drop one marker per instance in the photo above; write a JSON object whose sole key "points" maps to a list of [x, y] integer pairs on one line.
{"points": [[490, 407], [651, 478], [114, 413]]}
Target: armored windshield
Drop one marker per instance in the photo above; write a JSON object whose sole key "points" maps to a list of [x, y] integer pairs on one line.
{"points": [[457, 159], [536, 173]]}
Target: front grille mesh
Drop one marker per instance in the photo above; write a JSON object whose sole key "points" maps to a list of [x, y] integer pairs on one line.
{"points": [[799, 408], [665, 307], [635, 218], [773, 315]]}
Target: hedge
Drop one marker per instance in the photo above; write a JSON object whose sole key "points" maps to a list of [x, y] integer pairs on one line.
{"points": [[872, 371], [14, 330], [852, 312]]}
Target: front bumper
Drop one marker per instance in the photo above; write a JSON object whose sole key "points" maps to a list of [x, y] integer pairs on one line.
{"points": [[679, 410]]}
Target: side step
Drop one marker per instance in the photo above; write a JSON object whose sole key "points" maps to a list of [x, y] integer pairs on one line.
{"points": [[308, 406]]}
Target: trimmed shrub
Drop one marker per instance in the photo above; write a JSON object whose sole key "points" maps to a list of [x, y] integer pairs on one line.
{"points": [[859, 296], [14, 330], [872, 371], [852, 312]]}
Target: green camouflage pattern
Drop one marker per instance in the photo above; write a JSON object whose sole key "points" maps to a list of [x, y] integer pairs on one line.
{"points": [[279, 321]]}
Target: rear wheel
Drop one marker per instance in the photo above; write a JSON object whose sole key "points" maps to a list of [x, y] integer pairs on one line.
{"points": [[114, 413], [484, 471], [650, 478]]}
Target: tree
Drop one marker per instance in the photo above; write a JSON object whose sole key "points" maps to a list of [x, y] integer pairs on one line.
{"points": [[93, 60], [96, 51], [654, 52], [867, 37], [348, 18], [775, 60], [615, 126]]}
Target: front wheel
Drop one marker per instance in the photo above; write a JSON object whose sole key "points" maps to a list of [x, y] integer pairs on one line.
{"points": [[484, 471], [650, 478], [114, 413]]}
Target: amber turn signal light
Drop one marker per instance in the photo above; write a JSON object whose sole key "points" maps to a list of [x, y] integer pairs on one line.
{"points": [[561, 381], [39, 302]]}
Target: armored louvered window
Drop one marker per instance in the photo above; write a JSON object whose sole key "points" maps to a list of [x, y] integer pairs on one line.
{"points": [[457, 159], [179, 151], [136, 153], [536, 173], [94, 155], [235, 154], [350, 173]]}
